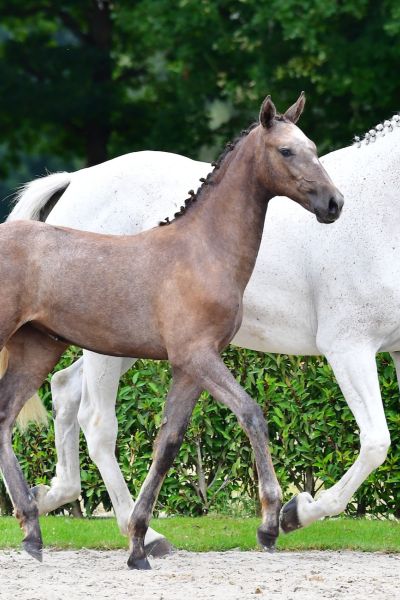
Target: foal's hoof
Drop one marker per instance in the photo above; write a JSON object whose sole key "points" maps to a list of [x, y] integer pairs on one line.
{"points": [[289, 518], [159, 548], [141, 564], [33, 549], [266, 539]]}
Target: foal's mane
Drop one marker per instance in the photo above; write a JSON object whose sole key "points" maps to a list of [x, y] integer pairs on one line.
{"points": [[193, 196], [379, 131]]}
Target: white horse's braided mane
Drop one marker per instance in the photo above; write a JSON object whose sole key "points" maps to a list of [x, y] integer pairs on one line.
{"points": [[379, 131]]}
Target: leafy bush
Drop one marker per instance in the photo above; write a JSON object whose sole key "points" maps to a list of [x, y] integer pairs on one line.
{"points": [[313, 438]]}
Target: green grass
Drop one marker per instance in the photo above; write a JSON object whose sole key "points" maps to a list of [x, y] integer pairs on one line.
{"points": [[211, 533]]}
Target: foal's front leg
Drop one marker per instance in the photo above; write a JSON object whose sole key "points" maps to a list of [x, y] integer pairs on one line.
{"points": [[211, 373], [179, 405]]}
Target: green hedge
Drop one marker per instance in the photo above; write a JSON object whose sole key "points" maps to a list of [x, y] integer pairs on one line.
{"points": [[314, 438]]}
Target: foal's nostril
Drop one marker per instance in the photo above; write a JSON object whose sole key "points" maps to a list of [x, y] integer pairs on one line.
{"points": [[333, 207]]}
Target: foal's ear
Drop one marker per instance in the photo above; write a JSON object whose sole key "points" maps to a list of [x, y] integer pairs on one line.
{"points": [[267, 113], [294, 112]]}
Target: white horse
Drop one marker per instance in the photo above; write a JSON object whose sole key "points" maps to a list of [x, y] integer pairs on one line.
{"points": [[315, 290]]}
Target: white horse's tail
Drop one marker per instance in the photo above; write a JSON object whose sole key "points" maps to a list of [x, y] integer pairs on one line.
{"points": [[30, 201], [33, 409], [35, 195]]}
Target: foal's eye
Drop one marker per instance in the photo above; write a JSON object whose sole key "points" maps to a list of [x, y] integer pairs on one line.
{"points": [[285, 151]]}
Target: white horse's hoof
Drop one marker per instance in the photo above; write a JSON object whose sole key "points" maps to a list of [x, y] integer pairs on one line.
{"points": [[293, 513]]}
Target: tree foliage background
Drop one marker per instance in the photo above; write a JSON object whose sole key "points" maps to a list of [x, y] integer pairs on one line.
{"points": [[83, 81], [87, 80]]}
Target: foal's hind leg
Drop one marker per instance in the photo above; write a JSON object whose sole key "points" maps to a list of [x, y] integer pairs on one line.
{"points": [[205, 371], [178, 408], [31, 356], [209, 371]]}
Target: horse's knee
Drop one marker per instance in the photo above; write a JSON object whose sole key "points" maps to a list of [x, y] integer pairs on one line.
{"points": [[100, 432], [251, 417], [374, 450], [96, 449], [65, 395], [59, 380]]}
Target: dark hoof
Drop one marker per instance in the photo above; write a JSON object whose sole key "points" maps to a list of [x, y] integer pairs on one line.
{"points": [[289, 517], [141, 564], [266, 539], [35, 550], [159, 548]]}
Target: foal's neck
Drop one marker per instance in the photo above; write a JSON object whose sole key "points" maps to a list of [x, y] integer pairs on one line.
{"points": [[230, 212]]}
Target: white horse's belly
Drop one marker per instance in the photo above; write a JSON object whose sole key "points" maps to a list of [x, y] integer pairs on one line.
{"points": [[285, 333]]}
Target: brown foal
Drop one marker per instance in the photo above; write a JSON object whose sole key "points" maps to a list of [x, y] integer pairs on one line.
{"points": [[171, 293]]}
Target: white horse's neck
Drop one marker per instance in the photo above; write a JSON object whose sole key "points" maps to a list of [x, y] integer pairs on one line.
{"points": [[372, 165]]}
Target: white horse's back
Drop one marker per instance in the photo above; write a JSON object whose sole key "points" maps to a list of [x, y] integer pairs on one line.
{"points": [[133, 192]]}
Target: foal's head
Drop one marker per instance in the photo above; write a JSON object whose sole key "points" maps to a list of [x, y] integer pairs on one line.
{"points": [[288, 163]]}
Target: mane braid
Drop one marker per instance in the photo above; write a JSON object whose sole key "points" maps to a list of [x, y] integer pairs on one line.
{"points": [[193, 196], [379, 131]]}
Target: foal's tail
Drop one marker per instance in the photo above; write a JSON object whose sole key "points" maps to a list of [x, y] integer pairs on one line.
{"points": [[3, 361], [33, 409], [34, 196]]}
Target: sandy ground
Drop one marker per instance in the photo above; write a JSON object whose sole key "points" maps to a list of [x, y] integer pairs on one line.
{"points": [[190, 576]]}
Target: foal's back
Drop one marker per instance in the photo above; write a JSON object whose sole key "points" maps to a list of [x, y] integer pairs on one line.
{"points": [[120, 295]]}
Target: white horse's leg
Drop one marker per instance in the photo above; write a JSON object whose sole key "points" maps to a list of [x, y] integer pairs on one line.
{"points": [[396, 360], [66, 485], [357, 376], [97, 418]]}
